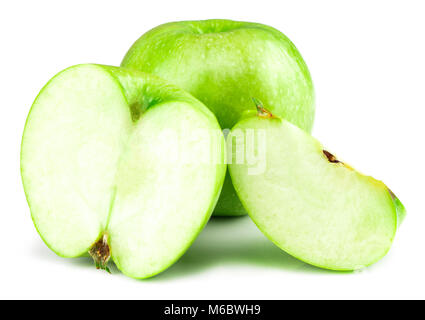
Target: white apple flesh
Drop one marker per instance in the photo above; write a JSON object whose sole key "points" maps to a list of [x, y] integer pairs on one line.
{"points": [[101, 176]]}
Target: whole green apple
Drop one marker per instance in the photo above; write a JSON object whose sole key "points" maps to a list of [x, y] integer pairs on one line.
{"points": [[224, 64]]}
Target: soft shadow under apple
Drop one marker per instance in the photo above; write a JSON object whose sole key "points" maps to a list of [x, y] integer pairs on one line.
{"points": [[224, 241], [233, 241]]}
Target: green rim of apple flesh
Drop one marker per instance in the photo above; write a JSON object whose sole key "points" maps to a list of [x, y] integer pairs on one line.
{"points": [[400, 209], [224, 63], [310, 204], [99, 174]]}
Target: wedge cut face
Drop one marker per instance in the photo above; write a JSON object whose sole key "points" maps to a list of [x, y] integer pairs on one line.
{"points": [[110, 166], [306, 201]]}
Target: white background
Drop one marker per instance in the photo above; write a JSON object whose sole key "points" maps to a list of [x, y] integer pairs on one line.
{"points": [[367, 63]]}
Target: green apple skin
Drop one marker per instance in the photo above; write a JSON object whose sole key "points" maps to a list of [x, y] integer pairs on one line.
{"points": [[320, 211], [224, 64], [93, 167]]}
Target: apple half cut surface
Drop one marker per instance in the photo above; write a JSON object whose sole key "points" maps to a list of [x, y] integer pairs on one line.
{"points": [[113, 164], [307, 202]]}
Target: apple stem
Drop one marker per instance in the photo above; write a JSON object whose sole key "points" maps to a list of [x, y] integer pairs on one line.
{"points": [[101, 253], [261, 111]]}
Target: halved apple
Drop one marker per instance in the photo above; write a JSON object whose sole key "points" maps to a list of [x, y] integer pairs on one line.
{"points": [[112, 165], [305, 200]]}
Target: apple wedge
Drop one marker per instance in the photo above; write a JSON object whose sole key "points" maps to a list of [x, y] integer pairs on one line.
{"points": [[305, 200], [110, 163]]}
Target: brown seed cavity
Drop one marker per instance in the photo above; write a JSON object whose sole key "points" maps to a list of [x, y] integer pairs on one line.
{"points": [[331, 157], [101, 253]]}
